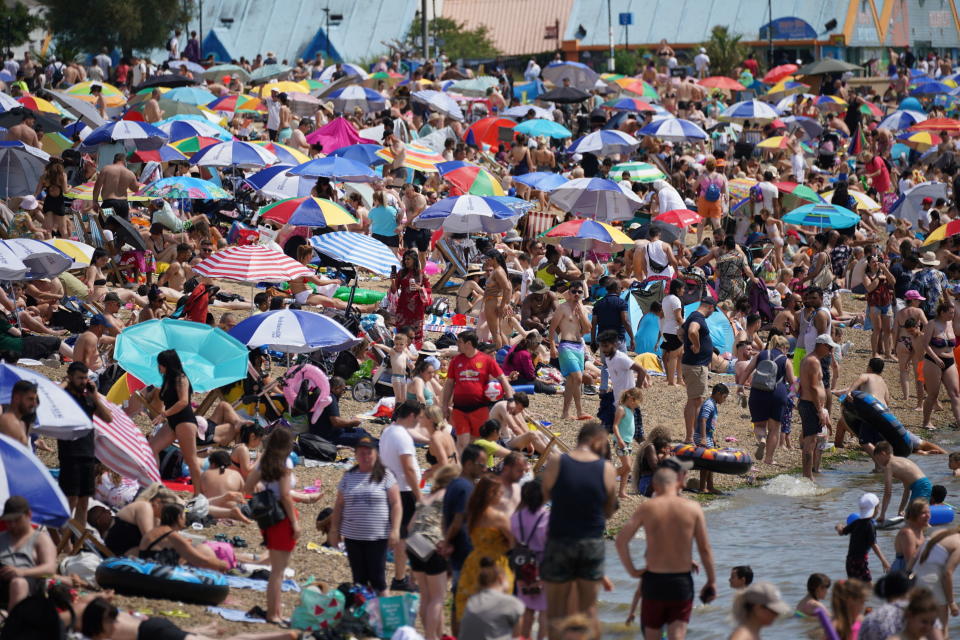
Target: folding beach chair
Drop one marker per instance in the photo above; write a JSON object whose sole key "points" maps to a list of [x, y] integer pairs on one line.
{"points": [[457, 255]]}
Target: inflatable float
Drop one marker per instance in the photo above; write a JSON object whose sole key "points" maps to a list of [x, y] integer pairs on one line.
{"points": [[940, 514], [863, 410], [135, 577], [720, 460], [362, 296]]}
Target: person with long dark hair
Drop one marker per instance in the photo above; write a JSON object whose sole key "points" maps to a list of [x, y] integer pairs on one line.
{"points": [[529, 525], [175, 392], [412, 288], [496, 295]]}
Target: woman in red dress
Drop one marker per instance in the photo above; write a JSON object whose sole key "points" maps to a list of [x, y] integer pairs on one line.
{"points": [[412, 289]]}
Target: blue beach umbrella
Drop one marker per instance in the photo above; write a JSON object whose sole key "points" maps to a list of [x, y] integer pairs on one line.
{"points": [[274, 182], [822, 215], [58, 414], [336, 168], [901, 119], [235, 153], [604, 142], [186, 126], [355, 96], [597, 198], [540, 127], [468, 214], [357, 249], [930, 89], [23, 474], [147, 136], [365, 154], [294, 331], [190, 95], [749, 110], [541, 180], [674, 130]]}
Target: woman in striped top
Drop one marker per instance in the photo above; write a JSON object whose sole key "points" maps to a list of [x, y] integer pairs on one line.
{"points": [[366, 515]]}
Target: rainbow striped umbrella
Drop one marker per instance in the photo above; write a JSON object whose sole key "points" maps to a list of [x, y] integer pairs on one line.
{"points": [[55, 143], [85, 192], [830, 103], [795, 195], [919, 140], [418, 157], [627, 104], [785, 87], [286, 155], [166, 153], [871, 110], [943, 232], [587, 235], [38, 104], [112, 97], [307, 212], [238, 103], [780, 142], [193, 144], [638, 87], [639, 171], [470, 178], [183, 188]]}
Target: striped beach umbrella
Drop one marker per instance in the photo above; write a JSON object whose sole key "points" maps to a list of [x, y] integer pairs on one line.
{"points": [[587, 235], [358, 249], [919, 140], [251, 263], [785, 88], [787, 103], [943, 232], [604, 142], [639, 171], [930, 88], [238, 103], [179, 128], [285, 154], [235, 153], [294, 331], [637, 87], [166, 153], [628, 104], [901, 119], [871, 110], [830, 103], [864, 202], [144, 134], [112, 97], [85, 192], [193, 144], [307, 211], [357, 97], [122, 447], [780, 72], [55, 143], [674, 130], [39, 104], [468, 214], [753, 110], [347, 67], [937, 125], [469, 178], [275, 182], [80, 252], [603, 200], [417, 157]]}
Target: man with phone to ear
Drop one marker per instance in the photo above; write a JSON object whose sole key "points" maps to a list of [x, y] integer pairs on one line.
{"points": [[671, 524]]}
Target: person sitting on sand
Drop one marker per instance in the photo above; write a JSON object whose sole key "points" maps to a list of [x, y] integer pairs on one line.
{"points": [[915, 482], [166, 545], [223, 487]]}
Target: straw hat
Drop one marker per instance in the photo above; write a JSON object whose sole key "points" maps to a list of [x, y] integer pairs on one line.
{"points": [[929, 258], [474, 270]]}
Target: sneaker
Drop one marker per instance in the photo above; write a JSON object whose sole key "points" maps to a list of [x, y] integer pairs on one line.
{"points": [[403, 585], [589, 390]]}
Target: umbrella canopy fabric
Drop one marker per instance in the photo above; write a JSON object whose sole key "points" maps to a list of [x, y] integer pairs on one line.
{"points": [[122, 447], [193, 144], [284, 86], [919, 140], [58, 414], [824, 66], [580, 75], [23, 474], [268, 72], [346, 67], [797, 194], [41, 258], [721, 82], [80, 252], [785, 88], [126, 231], [780, 72], [470, 178], [909, 206], [440, 102], [901, 119], [218, 71], [179, 128], [336, 134], [274, 182], [628, 104], [21, 166], [864, 202], [357, 97], [416, 157], [365, 154], [931, 89], [210, 356], [85, 192], [830, 103], [468, 214], [285, 154], [81, 109], [250, 263], [474, 87], [680, 218], [235, 153], [486, 131], [307, 212], [753, 110], [587, 235], [523, 110], [165, 80], [294, 331], [605, 142], [943, 232], [541, 180], [112, 97], [937, 125], [11, 267], [184, 188], [334, 167], [564, 95], [540, 127], [147, 136], [237, 104], [596, 198], [166, 153], [190, 95], [674, 130], [639, 171], [358, 249], [810, 127], [823, 216]]}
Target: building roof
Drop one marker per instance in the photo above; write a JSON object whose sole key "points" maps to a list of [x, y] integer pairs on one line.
{"points": [[517, 27]]}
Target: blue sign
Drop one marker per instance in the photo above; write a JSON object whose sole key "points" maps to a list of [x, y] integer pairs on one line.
{"points": [[789, 28], [626, 19]]}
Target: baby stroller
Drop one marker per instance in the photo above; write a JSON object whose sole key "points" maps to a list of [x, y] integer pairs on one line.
{"points": [[695, 284]]}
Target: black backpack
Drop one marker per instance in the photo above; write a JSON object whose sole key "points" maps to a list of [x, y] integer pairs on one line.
{"points": [[171, 463], [316, 448]]}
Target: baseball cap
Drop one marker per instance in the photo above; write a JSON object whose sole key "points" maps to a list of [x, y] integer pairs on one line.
{"points": [[824, 338], [14, 507], [111, 297], [867, 505], [926, 202], [675, 463], [365, 441], [763, 594], [913, 294]]}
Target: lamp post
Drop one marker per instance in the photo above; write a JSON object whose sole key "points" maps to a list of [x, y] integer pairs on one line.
{"points": [[610, 60]]}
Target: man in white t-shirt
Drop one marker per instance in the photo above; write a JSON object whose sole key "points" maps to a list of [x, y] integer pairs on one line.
{"points": [[702, 63], [624, 372], [398, 454], [273, 114], [672, 345], [769, 193]]}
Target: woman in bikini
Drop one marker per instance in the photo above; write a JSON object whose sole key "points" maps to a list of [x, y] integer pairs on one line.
{"points": [[94, 277], [520, 160], [774, 229], [470, 292], [442, 449], [939, 367], [496, 295]]}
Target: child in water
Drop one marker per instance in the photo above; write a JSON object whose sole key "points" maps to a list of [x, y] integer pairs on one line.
{"points": [[624, 430], [818, 585], [863, 539], [705, 433]]}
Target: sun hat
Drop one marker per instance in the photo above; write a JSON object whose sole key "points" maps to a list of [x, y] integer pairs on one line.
{"points": [[763, 594], [929, 258], [29, 203], [913, 294], [474, 270], [428, 348], [537, 286], [867, 505]]}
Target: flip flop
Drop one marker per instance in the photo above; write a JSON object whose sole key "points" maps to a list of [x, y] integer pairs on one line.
{"points": [[584, 417]]}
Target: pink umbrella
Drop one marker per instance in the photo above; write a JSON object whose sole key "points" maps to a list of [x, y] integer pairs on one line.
{"points": [[251, 263], [679, 217], [122, 447], [337, 133]]}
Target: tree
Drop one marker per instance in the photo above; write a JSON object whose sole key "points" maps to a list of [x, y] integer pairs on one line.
{"points": [[725, 50], [124, 24], [455, 39], [16, 24]]}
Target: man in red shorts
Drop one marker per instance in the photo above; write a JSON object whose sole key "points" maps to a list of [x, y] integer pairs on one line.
{"points": [[671, 524], [467, 378]]}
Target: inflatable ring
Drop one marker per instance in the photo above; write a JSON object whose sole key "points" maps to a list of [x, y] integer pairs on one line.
{"points": [[730, 461], [862, 409], [135, 577], [940, 514], [363, 296]]}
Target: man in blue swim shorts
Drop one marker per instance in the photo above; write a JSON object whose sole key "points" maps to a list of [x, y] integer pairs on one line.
{"points": [[567, 328], [915, 482]]}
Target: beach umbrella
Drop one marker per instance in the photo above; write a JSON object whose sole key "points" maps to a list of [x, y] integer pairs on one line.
{"points": [[825, 66], [440, 102], [127, 232], [587, 235], [238, 103], [190, 95], [486, 131], [43, 260], [11, 267], [753, 110], [416, 157], [830, 103], [365, 154], [263, 91], [80, 252], [637, 87], [307, 211], [294, 331], [564, 95], [23, 474], [810, 127], [179, 128], [46, 121], [84, 191], [680, 218], [864, 202], [166, 153], [112, 97], [335, 168], [39, 105], [779, 72], [523, 110], [785, 88], [285, 154], [184, 188], [871, 110], [350, 69], [8, 102], [469, 178], [721, 82], [474, 87], [275, 182], [639, 171], [909, 206], [919, 140], [164, 81], [235, 153], [943, 232], [780, 142], [546, 128], [58, 414], [218, 71], [79, 108], [21, 166], [468, 214], [603, 200], [541, 180], [251, 263], [357, 249], [210, 356], [937, 125], [823, 216], [930, 89], [147, 136], [187, 65], [786, 104], [122, 447], [579, 75], [628, 104], [674, 130], [268, 72], [605, 142], [193, 144], [797, 194], [55, 143], [357, 97]]}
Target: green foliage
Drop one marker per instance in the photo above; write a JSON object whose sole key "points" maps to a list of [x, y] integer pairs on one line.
{"points": [[725, 50], [16, 23], [458, 41], [129, 25], [626, 62]]}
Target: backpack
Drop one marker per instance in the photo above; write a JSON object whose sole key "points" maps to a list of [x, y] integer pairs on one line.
{"points": [[57, 76], [523, 560], [756, 194], [316, 448], [171, 463], [712, 194], [765, 376]]}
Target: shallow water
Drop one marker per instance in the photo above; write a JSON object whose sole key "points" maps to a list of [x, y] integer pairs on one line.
{"points": [[784, 530]]}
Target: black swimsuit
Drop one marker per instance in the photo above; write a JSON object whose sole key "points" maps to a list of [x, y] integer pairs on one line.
{"points": [[122, 537], [170, 396], [163, 556]]}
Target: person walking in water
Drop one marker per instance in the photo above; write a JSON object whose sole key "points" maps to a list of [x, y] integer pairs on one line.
{"points": [[812, 408]]}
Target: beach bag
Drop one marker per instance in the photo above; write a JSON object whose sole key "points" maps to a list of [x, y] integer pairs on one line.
{"points": [[317, 610], [712, 193], [756, 194], [197, 509], [314, 447], [171, 463], [264, 507], [386, 614], [523, 560], [425, 531], [765, 376]]}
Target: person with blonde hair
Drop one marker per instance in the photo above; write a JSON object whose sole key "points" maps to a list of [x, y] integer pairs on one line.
{"points": [[624, 430], [934, 567], [442, 448], [756, 607], [846, 603]]}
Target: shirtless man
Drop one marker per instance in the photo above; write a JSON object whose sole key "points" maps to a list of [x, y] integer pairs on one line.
{"points": [[152, 111], [87, 347], [24, 131], [113, 184], [111, 309], [567, 328], [179, 270], [298, 139], [21, 413], [786, 320], [915, 483], [671, 524], [812, 405], [514, 467]]}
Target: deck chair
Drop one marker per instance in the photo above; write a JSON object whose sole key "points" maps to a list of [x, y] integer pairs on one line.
{"points": [[208, 402], [555, 441], [98, 239], [457, 258], [81, 540]]}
